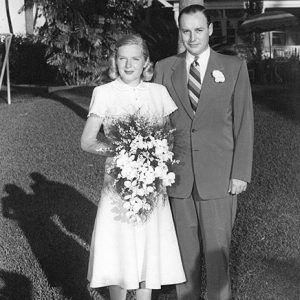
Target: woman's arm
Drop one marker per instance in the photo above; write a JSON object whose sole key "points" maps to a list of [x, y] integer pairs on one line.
{"points": [[89, 142]]}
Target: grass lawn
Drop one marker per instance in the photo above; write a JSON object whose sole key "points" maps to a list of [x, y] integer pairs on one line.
{"points": [[50, 188]]}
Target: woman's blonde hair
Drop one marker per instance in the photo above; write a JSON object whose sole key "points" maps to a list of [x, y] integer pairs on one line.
{"points": [[131, 39]]}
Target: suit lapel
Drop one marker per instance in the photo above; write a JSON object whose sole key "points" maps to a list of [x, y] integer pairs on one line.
{"points": [[207, 84], [179, 81]]}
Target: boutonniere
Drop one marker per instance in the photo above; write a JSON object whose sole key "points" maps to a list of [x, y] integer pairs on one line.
{"points": [[218, 76]]}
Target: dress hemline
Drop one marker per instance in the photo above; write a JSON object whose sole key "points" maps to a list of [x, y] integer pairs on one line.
{"points": [[152, 287]]}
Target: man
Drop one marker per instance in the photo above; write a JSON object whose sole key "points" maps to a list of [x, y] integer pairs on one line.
{"points": [[214, 141]]}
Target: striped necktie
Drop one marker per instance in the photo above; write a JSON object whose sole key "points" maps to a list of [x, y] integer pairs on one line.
{"points": [[194, 84]]}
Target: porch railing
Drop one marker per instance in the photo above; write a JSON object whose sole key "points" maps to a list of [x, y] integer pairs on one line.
{"points": [[285, 51]]}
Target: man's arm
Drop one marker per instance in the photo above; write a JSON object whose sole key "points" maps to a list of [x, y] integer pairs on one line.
{"points": [[242, 130], [157, 74]]}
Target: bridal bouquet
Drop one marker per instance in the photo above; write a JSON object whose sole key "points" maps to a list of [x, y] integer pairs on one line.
{"points": [[141, 164]]}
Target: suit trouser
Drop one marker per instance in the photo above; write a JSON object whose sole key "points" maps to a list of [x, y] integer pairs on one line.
{"points": [[212, 221]]}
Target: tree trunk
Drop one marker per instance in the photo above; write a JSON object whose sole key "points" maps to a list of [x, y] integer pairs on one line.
{"points": [[35, 16], [255, 7], [29, 20], [183, 4], [8, 17]]}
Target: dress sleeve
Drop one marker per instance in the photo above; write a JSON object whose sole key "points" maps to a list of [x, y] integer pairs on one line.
{"points": [[169, 105], [98, 105]]}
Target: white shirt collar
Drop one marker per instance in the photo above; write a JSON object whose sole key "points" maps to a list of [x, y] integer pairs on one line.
{"points": [[202, 60], [121, 85], [203, 57]]}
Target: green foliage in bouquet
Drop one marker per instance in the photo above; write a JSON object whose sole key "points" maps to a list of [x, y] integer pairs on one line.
{"points": [[123, 131]]}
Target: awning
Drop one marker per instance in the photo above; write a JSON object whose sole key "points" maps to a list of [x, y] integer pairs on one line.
{"points": [[269, 21]]}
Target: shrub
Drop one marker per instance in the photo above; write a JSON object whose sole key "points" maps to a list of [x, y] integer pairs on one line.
{"points": [[72, 36], [78, 45], [27, 62], [157, 26]]}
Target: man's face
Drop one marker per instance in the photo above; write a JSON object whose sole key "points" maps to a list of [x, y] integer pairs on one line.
{"points": [[195, 32]]}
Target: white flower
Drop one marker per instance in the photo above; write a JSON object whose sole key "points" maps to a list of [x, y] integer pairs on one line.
{"points": [[150, 144], [161, 146], [140, 192], [126, 205], [218, 76], [161, 170], [130, 184], [139, 143], [167, 156], [149, 176], [150, 189], [137, 204], [169, 179], [123, 159], [127, 184], [129, 171], [146, 206]]}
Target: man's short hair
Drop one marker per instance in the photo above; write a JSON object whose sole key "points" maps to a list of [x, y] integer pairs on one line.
{"points": [[192, 9]]}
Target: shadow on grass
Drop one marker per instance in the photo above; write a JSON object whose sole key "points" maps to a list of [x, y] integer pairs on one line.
{"points": [[77, 108], [22, 94], [57, 221], [14, 286], [76, 98], [287, 270], [282, 100]]}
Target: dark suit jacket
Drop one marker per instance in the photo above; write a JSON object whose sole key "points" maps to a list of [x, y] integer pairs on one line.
{"points": [[214, 144]]}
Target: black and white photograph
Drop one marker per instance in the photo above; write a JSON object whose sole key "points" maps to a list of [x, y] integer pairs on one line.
{"points": [[149, 149]]}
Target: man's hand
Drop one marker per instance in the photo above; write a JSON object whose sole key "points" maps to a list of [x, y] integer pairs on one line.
{"points": [[236, 186]]}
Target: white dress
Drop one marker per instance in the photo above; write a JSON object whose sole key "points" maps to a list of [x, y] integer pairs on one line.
{"points": [[123, 253]]}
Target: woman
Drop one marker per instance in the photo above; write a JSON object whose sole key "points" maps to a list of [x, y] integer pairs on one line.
{"points": [[124, 255]]}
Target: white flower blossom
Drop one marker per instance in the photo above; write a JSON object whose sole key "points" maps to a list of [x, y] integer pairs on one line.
{"points": [[169, 179], [140, 192], [161, 170], [147, 206], [126, 205], [218, 76], [149, 189]]}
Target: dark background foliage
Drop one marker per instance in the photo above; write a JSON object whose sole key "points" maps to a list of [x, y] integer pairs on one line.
{"points": [[157, 26], [74, 44], [27, 62], [73, 38]]}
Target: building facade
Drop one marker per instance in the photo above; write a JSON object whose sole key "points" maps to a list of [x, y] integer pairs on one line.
{"points": [[229, 14]]}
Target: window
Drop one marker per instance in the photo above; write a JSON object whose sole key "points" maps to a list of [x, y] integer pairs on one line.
{"points": [[278, 38]]}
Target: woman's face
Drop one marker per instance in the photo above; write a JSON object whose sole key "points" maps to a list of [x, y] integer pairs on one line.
{"points": [[130, 63]]}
